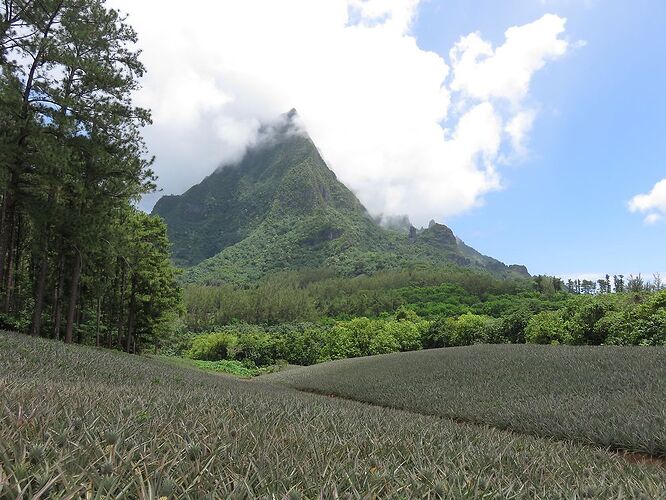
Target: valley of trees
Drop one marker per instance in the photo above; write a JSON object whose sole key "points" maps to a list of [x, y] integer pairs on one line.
{"points": [[305, 317], [78, 261]]}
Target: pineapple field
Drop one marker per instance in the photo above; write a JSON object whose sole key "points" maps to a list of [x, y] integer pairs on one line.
{"points": [[80, 422], [607, 396]]}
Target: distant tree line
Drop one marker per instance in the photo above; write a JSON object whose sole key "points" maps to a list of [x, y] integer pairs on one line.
{"points": [[617, 319], [313, 294], [308, 317], [617, 284], [77, 261]]}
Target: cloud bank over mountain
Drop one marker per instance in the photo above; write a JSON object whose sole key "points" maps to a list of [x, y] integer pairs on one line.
{"points": [[410, 131]]}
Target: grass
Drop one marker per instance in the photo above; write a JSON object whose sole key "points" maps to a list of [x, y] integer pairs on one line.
{"points": [[608, 396], [83, 422], [225, 366], [230, 367]]}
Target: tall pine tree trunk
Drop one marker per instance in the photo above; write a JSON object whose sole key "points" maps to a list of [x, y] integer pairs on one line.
{"points": [[7, 249], [40, 287], [19, 163], [132, 315], [98, 315], [121, 306], [73, 297], [12, 257], [57, 298], [79, 318], [6, 233]]}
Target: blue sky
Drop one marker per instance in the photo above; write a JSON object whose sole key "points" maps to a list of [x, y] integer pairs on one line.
{"points": [[599, 139]]}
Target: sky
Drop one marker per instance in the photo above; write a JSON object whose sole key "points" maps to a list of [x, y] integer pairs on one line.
{"points": [[535, 129]]}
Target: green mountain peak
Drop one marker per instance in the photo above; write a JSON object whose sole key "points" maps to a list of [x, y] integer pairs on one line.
{"points": [[281, 208]]}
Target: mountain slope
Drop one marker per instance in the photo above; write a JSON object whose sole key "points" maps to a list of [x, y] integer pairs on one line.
{"points": [[282, 208], [231, 202]]}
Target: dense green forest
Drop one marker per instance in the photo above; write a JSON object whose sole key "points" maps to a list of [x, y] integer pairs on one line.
{"points": [[304, 318], [78, 261], [265, 264]]}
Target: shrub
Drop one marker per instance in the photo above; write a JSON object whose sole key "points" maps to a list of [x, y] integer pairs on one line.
{"points": [[304, 347], [403, 313], [440, 333], [512, 327], [259, 347], [652, 330], [582, 323], [406, 333], [547, 327], [472, 329], [212, 346], [382, 342], [360, 331], [615, 328], [340, 343]]}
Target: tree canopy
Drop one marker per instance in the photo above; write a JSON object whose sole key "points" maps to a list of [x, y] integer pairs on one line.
{"points": [[76, 256]]}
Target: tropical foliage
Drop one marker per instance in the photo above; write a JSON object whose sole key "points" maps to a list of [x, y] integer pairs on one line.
{"points": [[300, 319]]}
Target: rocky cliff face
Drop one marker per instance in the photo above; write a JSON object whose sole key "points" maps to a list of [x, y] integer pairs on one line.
{"points": [[439, 234]]}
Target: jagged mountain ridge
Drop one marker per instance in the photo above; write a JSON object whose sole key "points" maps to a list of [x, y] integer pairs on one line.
{"points": [[282, 208]]}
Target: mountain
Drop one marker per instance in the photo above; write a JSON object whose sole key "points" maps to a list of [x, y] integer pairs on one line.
{"points": [[282, 208]]}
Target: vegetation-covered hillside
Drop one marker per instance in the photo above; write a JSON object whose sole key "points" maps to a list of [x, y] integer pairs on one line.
{"points": [[81, 422], [281, 208]]}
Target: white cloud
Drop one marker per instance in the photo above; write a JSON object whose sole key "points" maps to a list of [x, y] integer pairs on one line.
{"points": [[505, 72], [653, 218], [372, 100], [653, 204], [396, 15], [519, 128]]}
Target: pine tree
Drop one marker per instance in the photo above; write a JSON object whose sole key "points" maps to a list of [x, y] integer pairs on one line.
{"points": [[72, 163]]}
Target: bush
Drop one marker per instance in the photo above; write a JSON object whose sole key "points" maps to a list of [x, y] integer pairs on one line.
{"points": [[547, 327], [582, 323], [359, 332], [468, 329], [406, 333], [259, 347], [615, 328], [472, 329], [304, 346], [637, 324], [652, 330], [405, 314], [212, 346], [382, 342], [340, 343], [440, 333], [512, 327]]}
